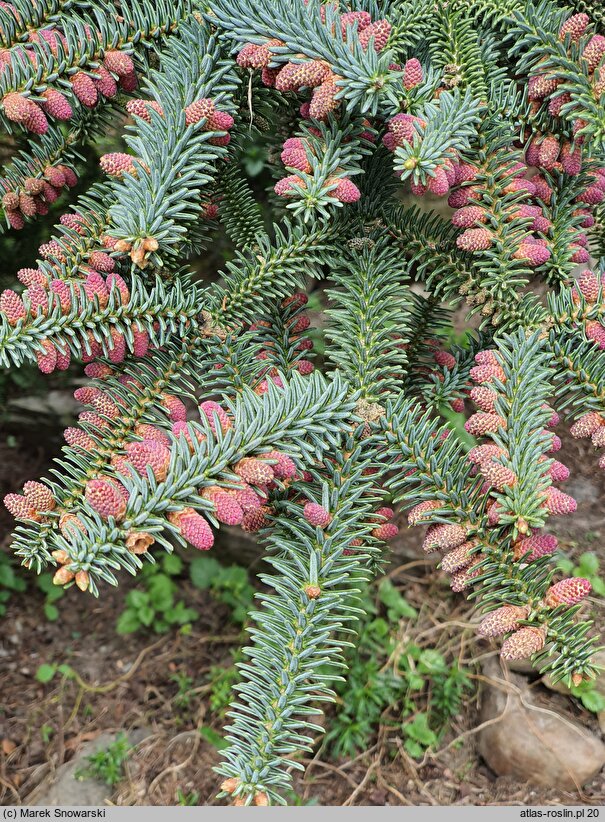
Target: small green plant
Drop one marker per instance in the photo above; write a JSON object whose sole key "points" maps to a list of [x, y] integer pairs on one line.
{"points": [[47, 672], [228, 584], [46, 733], [587, 567], [419, 735], [590, 697], [448, 682], [187, 799], [213, 737], [107, 765], [10, 582], [52, 593], [182, 698], [153, 604], [221, 682], [293, 798], [397, 605], [413, 690]]}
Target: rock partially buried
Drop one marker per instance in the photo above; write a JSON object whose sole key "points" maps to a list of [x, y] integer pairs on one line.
{"points": [[63, 788], [533, 743]]}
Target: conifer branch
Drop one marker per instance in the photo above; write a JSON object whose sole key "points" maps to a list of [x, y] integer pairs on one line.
{"points": [[369, 322], [540, 48], [240, 213], [364, 79], [449, 127], [496, 105], [56, 148], [71, 321], [56, 60], [451, 273], [272, 270], [593, 8], [303, 418], [455, 48], [411, 22], [137, 391], [175, 147], [436, 477], [314, 594]]}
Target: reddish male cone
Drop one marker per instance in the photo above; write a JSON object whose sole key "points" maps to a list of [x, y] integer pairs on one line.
{"points": [[502, 620], [105, 498], [317, 515], [567, 592], [193, 527], [523, 643]]}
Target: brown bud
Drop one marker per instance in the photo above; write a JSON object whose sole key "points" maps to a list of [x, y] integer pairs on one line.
{"points": [[230, 784], [577, 680], [137, 255], [82, 580], [63, 576], [122, 246], [313, 591], [61, 556], [150, 244], [138, 541], [261, 799], [369, 411]]}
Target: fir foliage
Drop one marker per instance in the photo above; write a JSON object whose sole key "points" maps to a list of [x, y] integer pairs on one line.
{"points": [[359, 119]]}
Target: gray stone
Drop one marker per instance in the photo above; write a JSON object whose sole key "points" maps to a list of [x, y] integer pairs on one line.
{"points": [[558, 687], [63, 788], [582, 489], [533, 743], [520, 666]]}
